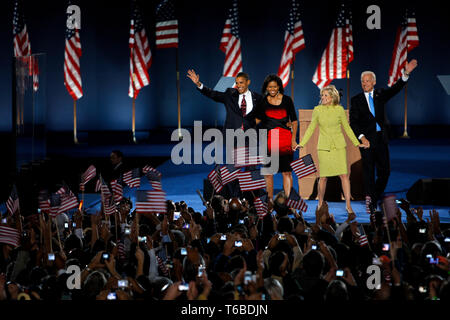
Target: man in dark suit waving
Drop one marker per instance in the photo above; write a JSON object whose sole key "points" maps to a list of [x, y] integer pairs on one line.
{"points": [[240, 103], [367, 119]]}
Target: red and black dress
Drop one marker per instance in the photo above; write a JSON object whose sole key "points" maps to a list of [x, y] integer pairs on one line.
{"points": [[274, 118]]}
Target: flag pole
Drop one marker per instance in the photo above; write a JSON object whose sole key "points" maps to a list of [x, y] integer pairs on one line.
{"points": [[405, 132], [292, 79], [133, 123], [75, 139], [348, 88], [178, 95]]}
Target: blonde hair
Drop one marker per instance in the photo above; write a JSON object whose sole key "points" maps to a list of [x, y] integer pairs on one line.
{"points": [[331, 89]]}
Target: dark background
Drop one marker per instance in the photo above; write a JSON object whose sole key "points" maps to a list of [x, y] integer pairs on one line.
{"points": [[106, 106]]}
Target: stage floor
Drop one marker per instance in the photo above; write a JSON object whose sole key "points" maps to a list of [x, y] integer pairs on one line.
{"points": [[410, 160]]}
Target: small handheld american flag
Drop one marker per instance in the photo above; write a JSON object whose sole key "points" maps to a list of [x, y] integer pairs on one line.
{"points": [[303, 166], [251, 180], [296, 202]]}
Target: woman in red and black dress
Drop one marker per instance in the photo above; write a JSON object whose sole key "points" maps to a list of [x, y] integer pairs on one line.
{"points": [[276, 112]]}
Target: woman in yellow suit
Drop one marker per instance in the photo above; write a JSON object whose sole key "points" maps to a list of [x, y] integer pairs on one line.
{"points": [[330, 116]]}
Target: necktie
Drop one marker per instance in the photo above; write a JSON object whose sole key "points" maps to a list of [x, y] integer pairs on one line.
{"points": [[372, 109], [244, 106]]}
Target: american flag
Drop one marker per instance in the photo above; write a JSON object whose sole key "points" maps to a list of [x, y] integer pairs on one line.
{"points": [[405, 40], [9, 236], [90, 173], [214, 177], [261, 207], [55, 203], [149, 168], [140, 54], [68, 199], [34, 66], [251, 180], [44, 201], [104, 189], [155, 180], [12, 204], [150, 201], [72, 54], [117, 190], [245, 156], [132, 178], [98, 184], [21, 40], [109, 206], [363, 241], [296, 202], [228, 173], [339, 52], [303, 166], [230, 43], [294, 41], [166, 25]]}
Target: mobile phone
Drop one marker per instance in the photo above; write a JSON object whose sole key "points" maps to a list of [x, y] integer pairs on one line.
{"points": [[142, 239], [434, 261], [74, 224], [223, 237], [201, 268], [247, 277], [281, 236], [241, 221], [51, 257], [229, 225], [339, 273], [112, 296], [238, 243], [183, 287], [176, 215], [398, 201], [186, 226], [183, 251], [422, 289], [429, 256], [447, 239], [208, 240], [122, 284], [105, 256], [386, 247], [39, 210], [127, 231], [422, 230], [314, 247], [4, 220], [66, 225], [376, 261]]}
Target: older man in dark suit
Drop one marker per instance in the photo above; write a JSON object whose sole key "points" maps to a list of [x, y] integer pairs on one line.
{"points": [[367, 119]]}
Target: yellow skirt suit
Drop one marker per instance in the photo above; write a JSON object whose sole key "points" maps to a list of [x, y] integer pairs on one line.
{"points": [[331, 145]]}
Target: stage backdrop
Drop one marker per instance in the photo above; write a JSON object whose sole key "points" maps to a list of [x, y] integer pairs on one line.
{"points": [[105, 60]]}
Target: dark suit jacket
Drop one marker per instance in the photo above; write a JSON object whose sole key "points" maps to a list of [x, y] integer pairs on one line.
{"points": [[230, 98], [361, 119]]}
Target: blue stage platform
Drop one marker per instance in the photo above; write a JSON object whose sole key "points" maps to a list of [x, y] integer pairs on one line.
{"points": [[411, 159]]}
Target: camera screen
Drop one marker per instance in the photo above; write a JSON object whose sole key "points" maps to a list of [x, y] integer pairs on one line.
{"points": [[422, 230], [386, 247], [183, 251], [105, 256], [112, 296], [238, 243], [186, 226], [447, 239], [122, 283], [4, 220], [314, 247], [434, 261], [183, 287], [51, 256], [176, 215], [241, 221], [127, 231], [339, 273], [281, 236], [224, 237], [66, 225], [200, 270], [74, 224]]}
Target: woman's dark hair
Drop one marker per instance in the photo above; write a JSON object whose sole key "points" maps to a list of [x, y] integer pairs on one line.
{"points": [[270, 78]]}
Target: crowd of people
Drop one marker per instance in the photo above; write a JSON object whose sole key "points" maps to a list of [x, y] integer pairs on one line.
{"points": [[226, 253]]}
